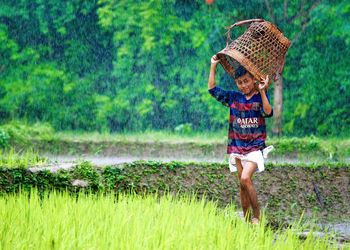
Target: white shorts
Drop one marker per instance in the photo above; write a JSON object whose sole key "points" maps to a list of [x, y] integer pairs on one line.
{"points": [[255, 156]]}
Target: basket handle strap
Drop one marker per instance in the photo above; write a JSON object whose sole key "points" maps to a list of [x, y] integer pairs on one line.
{"points": [[228, 33]]}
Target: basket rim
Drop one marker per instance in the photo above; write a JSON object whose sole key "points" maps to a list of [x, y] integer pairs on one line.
{"points": [[241, 59]]}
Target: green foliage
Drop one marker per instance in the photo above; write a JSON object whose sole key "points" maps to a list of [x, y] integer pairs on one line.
{"points": [[12, 159], [306, 146], [318, 104], [112, 176], [22, 134], [184, 128], [123, 65], [15, 179], [86, 171], [52, 52], [4, 139]]}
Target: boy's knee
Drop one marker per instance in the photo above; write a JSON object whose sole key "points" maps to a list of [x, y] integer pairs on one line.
{"points": [[245, 181]]}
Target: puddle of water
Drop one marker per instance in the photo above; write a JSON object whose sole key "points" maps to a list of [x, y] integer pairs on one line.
{"points": [[113, 160], [110, 160], [338, 228]]}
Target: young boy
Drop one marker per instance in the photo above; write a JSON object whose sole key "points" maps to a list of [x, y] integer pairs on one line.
{"points": [[247, 130]]}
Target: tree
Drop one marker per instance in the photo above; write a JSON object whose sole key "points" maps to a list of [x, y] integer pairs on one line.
{"points": [[293, 17]]}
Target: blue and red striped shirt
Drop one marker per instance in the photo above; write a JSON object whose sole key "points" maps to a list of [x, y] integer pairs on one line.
{"points": [[247, 129]]}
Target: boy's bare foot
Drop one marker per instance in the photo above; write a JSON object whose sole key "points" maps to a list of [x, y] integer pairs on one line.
{"points": [[255, 221]]}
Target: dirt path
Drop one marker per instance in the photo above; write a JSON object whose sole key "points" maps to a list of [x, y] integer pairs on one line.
{"points": [[99, 160], [112, 160]]}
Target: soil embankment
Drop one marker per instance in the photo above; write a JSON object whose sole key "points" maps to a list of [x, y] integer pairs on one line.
{"points": [[284, 190], [285, 152]]}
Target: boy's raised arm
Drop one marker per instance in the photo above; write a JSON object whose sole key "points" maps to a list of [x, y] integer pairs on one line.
{"points": [[223, 96], [214, 63], [263, 85]]}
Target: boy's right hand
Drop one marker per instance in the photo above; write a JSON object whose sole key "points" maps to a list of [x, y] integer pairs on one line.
{"points": [[214, 60], [264, 83]]}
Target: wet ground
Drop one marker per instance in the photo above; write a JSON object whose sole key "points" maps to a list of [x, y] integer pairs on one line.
{"points": [[113, 160], [99, 160]]}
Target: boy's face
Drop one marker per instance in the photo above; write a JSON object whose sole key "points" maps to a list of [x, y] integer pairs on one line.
{"points": [[246, 83]]}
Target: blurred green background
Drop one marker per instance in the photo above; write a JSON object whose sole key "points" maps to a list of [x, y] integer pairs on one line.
{"points": [[126, 66]]}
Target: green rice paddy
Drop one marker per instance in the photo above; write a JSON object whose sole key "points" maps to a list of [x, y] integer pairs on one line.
{"points": [[63, 221], [20, 159]]}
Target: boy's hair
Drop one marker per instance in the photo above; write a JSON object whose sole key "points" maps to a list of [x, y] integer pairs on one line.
{"points": [[240, 71]]}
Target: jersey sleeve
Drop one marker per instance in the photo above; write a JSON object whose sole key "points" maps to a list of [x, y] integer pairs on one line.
{"points": [[223, 96]]}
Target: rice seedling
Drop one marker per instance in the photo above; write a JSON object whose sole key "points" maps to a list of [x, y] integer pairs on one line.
{"points": [[61, 221], [12, 159]]}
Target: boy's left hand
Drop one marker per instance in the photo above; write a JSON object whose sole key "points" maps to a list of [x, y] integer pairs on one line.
{"points": [[264, 83]]}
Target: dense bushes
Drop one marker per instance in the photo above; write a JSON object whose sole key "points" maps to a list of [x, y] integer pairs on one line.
{"points": [[133, 65], [18, 133], [4, 139]]}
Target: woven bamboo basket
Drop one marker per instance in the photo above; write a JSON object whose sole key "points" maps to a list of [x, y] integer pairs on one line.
{"points": [[261, 49]]}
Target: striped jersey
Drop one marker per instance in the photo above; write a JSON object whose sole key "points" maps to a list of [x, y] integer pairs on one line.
{"points": [[247, 129]]}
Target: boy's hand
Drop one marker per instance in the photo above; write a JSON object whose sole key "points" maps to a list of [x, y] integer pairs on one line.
{"points": [[214, 60], [264, 83]]}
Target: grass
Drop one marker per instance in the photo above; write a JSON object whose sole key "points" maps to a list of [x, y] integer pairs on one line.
{"points": [[147, 136], [60, 221], [196, 137], [329, 148], [19, 132], [13, 159], [22, 135]]}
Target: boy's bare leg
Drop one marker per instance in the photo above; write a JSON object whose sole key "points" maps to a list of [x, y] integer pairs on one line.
{"points": [[244, 196], [247, 184]]}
